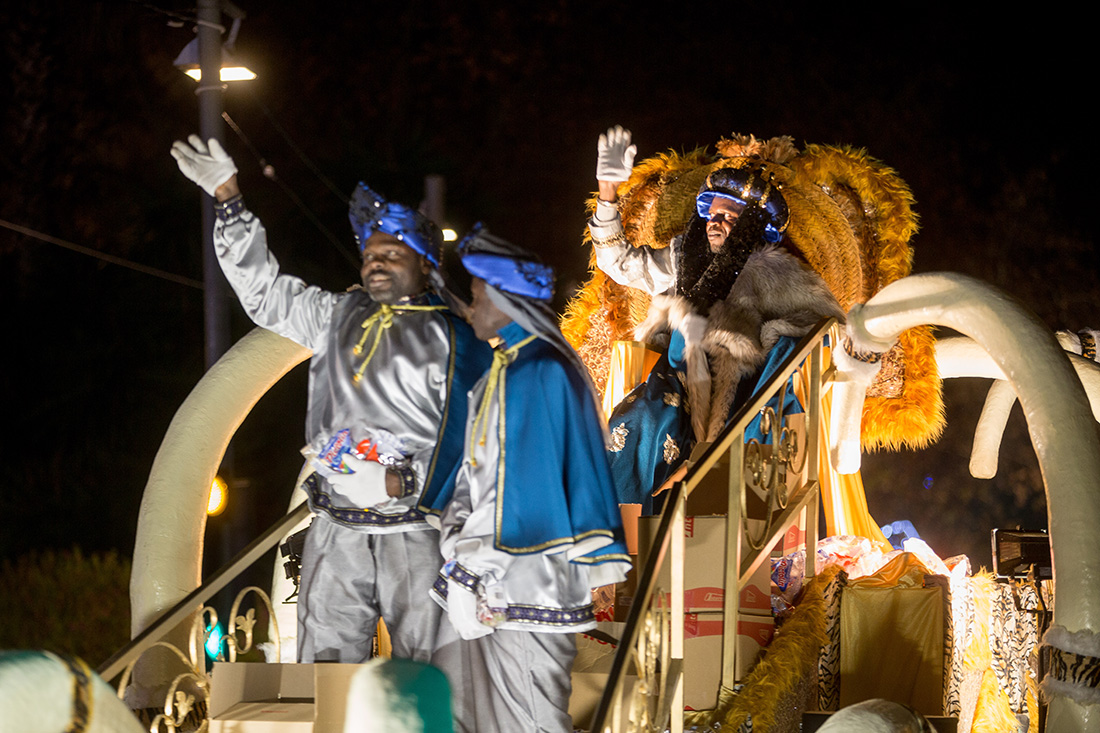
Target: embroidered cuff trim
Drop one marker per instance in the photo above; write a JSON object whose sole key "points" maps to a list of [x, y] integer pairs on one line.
{"points": [[603, 238], [464, 577], [230, 209], [549, 616], [535, 615]]}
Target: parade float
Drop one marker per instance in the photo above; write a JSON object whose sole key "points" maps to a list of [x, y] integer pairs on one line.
{"points": [[799, 618], [868, 620]]}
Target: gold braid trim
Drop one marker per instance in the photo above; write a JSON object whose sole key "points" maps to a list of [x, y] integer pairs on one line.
{"points": [[790, 658]]}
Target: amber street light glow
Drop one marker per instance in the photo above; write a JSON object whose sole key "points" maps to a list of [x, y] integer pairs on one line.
{"points": [[228, 73], [449, 235], [216, 504]]}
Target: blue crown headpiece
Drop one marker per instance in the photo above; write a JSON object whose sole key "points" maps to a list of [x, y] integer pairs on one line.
{"points": [[746, 186], [369, 213], [505, 266]]}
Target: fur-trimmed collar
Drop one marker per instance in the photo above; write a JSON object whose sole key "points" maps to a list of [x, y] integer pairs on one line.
{"points": [[775, 295]]}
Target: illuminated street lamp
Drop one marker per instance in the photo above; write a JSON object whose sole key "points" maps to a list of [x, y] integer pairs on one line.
{"points": [[231, 70], [206, 53]]}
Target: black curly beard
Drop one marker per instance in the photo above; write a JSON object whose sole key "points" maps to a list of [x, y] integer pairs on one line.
{"points": [[705, 277]]}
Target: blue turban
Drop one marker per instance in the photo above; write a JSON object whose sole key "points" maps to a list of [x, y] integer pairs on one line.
{"points": [[369, 213], [505, 266], [745, 186]]}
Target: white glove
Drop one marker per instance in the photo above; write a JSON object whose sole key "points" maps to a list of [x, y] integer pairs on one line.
{"points": [[615, 155], [209, 168], [366, 487], [693, 328], [462, 611]]}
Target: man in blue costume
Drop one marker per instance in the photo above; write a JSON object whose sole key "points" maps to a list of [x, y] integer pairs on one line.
{"points": [[533, 523], [388, 382], [729, 303]]}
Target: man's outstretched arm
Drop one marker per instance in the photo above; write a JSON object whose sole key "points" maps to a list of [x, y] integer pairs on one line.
{"points": [[275, 301], [643, 268]]}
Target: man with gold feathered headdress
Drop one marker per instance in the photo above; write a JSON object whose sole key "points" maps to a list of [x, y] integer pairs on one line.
{"points": [[730, 298]]}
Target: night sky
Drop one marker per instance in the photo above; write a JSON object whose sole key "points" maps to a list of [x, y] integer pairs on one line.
{"points": [[982, 115]]}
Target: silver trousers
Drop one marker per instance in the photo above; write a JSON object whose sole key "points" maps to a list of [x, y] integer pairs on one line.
{"points": [[350, 578], [508, 681]]}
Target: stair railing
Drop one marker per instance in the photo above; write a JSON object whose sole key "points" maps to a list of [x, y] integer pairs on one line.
{"points": [[652, 643]]}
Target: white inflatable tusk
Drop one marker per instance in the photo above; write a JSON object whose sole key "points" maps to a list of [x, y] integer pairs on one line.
{"points": [[1061, 425], [990, 429], [168, 549]]}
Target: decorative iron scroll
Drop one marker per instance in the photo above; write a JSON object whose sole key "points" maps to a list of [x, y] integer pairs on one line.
{"points": [[189, 691], [766, 466]]}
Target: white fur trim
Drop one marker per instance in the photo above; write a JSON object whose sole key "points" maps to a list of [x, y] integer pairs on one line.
{"points": [[1084, 642], [1083, 695], [853, 369]]}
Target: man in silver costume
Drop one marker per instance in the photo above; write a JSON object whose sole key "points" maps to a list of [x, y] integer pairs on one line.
{"points": [[532, 525], [388, 379]]}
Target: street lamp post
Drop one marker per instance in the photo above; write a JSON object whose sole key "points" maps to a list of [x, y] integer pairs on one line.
{"points": [[216, 292]]}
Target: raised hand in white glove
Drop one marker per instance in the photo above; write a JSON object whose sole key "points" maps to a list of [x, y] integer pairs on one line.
{"points": [[462, 611], [615, 155], [366, 487], [208, 167]]}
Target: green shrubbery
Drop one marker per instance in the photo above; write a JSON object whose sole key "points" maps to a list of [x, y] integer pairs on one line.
{"points": [[66, 602]]}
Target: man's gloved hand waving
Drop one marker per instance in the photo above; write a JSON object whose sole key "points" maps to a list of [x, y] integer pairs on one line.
{"points": [[614, 161], [208, 167], [615, 155]]}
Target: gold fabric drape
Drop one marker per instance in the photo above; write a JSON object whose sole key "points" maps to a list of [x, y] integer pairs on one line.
{"points": [[842, 496], [630, 365]]}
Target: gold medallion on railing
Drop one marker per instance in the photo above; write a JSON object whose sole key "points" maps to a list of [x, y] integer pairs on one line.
{"points": [[766, 467]]}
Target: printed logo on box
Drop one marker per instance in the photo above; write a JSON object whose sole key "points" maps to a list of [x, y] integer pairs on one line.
{"points": [[795, 536], [703, 597], [751, 597], [761, 633]]}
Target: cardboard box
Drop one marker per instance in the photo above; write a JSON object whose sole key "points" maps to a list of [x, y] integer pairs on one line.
{"points": [[590, 673], [703, 654], [278, 698], [705, 567], [795, 538]]}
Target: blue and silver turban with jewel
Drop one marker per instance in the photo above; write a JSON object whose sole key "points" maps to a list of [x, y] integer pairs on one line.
{"points": [[746, 186], [369, 213]]}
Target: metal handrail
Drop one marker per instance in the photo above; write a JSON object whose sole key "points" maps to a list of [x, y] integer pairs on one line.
{"points": [[748, 411], [196, 598], [647, 582]]}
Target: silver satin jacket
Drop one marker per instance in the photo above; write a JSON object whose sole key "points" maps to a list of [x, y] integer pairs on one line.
{"points": [[403, 390]]}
